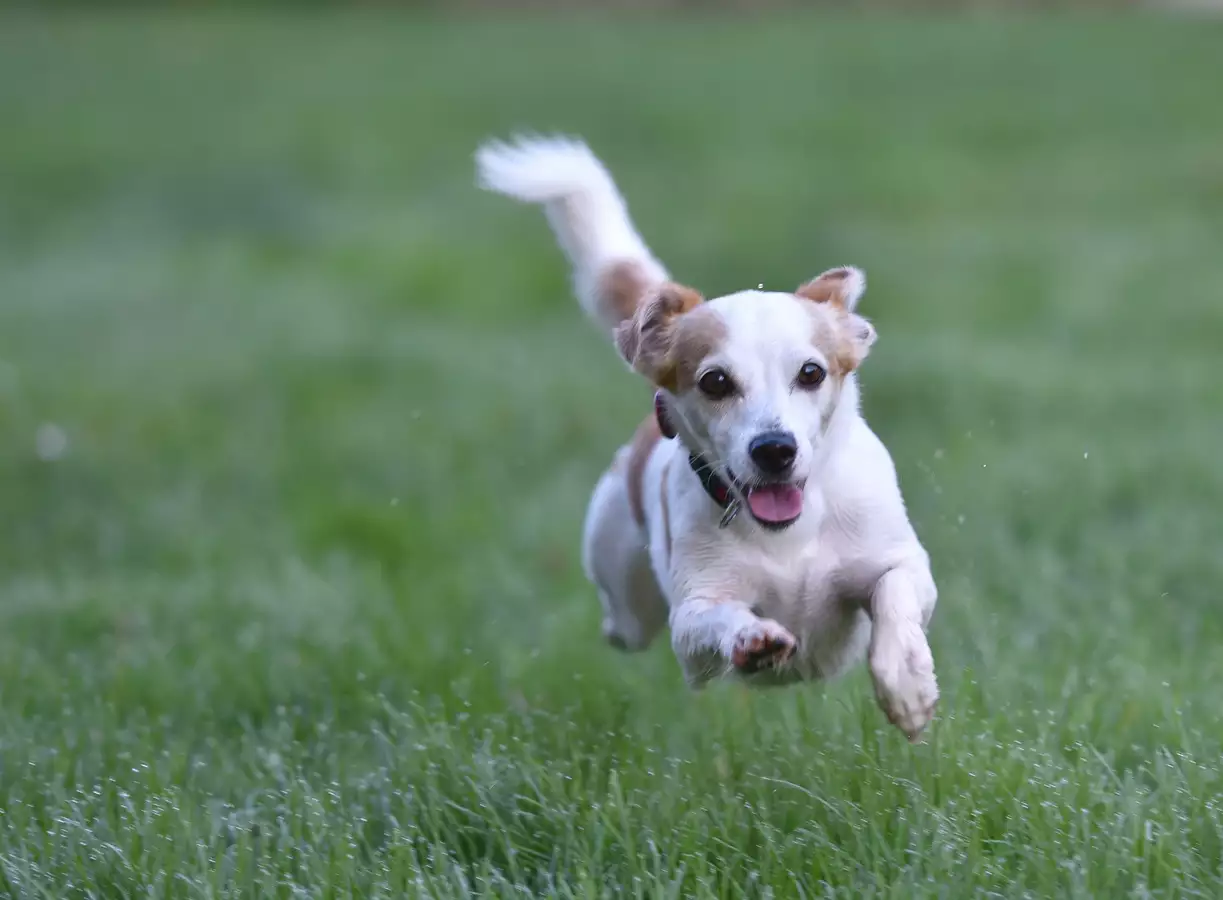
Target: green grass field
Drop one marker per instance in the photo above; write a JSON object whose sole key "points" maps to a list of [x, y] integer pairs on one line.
{"points": [[299, 430]]}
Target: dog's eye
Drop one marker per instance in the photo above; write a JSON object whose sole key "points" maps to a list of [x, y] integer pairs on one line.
{"points": [[811, 375], [716, 384]]}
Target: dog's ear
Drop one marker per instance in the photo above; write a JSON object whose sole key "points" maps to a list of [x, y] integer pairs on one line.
{"points": [[859, 335], [841, 289], [646, 339]]}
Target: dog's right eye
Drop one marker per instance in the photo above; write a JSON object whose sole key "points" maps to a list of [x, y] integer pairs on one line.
{"points": [[716, 384]]}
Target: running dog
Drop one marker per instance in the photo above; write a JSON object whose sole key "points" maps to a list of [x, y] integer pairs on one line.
{"points": [[754, 511]]}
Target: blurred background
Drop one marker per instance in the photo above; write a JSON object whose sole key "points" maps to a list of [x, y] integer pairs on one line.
{"points": [[299, 429]]}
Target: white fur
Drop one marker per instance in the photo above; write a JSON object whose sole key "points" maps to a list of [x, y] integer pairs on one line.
{"points": [[855, 287], [848, 578], [583, 206]]}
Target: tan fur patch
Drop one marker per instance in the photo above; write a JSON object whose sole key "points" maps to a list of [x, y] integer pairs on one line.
{"points": [[837, 292], [666, 510], [829, 335], [837, 341], [647, 340], [645, 439], [622, 286], [696, 336], [844, 361], [859, 337], [827, 288]]}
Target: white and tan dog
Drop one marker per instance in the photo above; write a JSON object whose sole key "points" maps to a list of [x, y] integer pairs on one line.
{"points": [[755, 511]]}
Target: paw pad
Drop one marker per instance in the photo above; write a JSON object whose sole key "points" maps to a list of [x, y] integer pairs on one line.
{"points": [[762, 652]]}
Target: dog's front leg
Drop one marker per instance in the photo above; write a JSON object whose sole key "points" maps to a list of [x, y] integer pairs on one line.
{"points": [[712, 637], [901, 664]]}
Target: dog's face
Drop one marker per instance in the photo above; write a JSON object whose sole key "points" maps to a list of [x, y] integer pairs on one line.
{"points": [[753, 379]]}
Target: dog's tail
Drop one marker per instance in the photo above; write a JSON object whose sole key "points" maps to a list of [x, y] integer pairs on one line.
{"points": [[612, 267]]}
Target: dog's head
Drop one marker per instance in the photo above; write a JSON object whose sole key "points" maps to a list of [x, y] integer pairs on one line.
{"points": [[752, 379]]}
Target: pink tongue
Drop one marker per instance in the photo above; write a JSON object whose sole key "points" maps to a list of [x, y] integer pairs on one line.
{"points": [[775, 502]]}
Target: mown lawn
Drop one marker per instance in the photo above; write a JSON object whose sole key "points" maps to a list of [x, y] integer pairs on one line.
{"points": [[298, 431]]}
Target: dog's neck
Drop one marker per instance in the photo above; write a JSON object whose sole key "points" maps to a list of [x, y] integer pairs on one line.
{"points": [[715, 486]]}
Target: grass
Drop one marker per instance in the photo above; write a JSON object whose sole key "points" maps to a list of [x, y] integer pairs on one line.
{"points": [[298, 610]]}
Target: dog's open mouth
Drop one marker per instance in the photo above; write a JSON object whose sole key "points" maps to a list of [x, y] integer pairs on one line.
{"points": [[775, 505]]}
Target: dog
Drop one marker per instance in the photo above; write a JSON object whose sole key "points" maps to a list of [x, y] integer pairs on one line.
{"points": [[754, 512]]}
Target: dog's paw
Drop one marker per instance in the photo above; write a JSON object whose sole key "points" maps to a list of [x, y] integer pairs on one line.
{"points": [[903, 672], [762, 645], [614, 637]]}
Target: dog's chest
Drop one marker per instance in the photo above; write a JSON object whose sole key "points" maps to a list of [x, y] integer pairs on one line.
{"points": [[810, 579], [782, 589], [816, 593], [822, 603]]}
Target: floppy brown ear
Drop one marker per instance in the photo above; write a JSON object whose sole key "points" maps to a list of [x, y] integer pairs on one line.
{"points": [[842, 287], [646, 340]]}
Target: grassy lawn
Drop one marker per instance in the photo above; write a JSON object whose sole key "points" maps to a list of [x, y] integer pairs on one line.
{"points": [[299, 428]]}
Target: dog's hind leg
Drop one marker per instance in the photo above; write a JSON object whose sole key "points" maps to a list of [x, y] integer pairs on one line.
{"points": [[616, 556]]}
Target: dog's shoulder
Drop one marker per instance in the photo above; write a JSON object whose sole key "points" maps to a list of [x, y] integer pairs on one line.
{"points": [[865, 512]]}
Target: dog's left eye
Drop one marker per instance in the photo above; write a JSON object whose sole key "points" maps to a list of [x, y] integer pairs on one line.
{"points": [[716, 384], [811, 375]]}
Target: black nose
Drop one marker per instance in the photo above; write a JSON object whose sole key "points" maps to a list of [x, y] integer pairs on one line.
{"points": [[773, 451]]}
